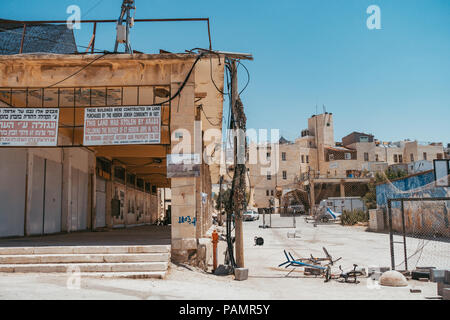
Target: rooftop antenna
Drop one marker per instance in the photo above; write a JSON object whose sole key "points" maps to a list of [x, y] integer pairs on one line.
{"points": [[324, 109], [123, 30]]}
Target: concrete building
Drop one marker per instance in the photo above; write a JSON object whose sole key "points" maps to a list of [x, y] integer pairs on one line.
{"points": [[316, 158], [73, 185]]}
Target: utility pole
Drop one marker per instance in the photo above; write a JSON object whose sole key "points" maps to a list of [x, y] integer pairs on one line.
{"points": [[220, 221], [123, 31], [239, 164]]}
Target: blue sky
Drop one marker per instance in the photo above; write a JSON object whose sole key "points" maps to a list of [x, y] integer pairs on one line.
{"points": [[393, 82]]}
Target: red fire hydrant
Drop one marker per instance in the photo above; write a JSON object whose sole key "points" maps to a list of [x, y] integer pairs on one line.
{"points": [[215, 241]]}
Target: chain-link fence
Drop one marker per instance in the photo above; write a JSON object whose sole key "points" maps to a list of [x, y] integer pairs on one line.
{"points": [[419, 230], [278, 217]]}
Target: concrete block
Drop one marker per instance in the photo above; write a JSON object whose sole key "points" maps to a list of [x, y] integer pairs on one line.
{"points": [[188, 244], [440, 288], [294, 234], [437, 275], [176, 244], [240, 274], [446, 294], [376, 220]]}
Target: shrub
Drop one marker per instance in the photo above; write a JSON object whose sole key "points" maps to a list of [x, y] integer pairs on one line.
{"points": [[352, 217]]}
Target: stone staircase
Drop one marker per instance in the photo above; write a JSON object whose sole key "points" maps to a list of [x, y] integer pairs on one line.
{"points": [[136, 261]]}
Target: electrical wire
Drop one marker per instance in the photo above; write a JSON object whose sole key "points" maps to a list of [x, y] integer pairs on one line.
{"points": [[92, 8], [207, 118], [248, 76], [79, 70], [211, 76], [184, 82]]}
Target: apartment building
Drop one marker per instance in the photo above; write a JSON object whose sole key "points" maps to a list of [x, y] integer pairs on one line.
{"points": [[287, 165]]}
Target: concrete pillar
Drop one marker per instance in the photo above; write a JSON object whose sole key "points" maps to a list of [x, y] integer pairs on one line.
{"points": [[312, 195], [29, 189], [342, 188], [66, 190], [92, 182], [184, 189], [109, 196]]}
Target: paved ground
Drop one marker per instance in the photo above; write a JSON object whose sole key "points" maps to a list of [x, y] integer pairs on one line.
{"points": [[266, 280]]}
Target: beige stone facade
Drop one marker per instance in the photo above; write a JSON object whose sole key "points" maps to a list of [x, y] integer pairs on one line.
{"points": [[316, 155], [130, 174]]}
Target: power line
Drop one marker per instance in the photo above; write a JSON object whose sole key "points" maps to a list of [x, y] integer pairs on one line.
{"points": [[248, 76], [207, 118], [78, 71], [92, 8], [185, 80]]}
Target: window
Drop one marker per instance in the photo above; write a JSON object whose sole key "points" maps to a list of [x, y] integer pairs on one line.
{"points": [[303, 158], [267, 192], [400, 158], [269, 176], [348, 156], [307, 159], [131, 179], [395, 158], [364, 139], [424, 156], [271, 192], [284, 175], [366, 156], [268, 155], [412, 157], [140, 183], [119, 173], [377, 158], [283, 156]]}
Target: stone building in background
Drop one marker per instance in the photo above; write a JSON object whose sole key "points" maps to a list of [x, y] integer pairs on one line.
{"points": [[315, 157]]}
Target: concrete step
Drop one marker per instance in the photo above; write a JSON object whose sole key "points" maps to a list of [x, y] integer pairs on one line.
{"points": [[84, 249], [86, 267], [83, 258]]}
